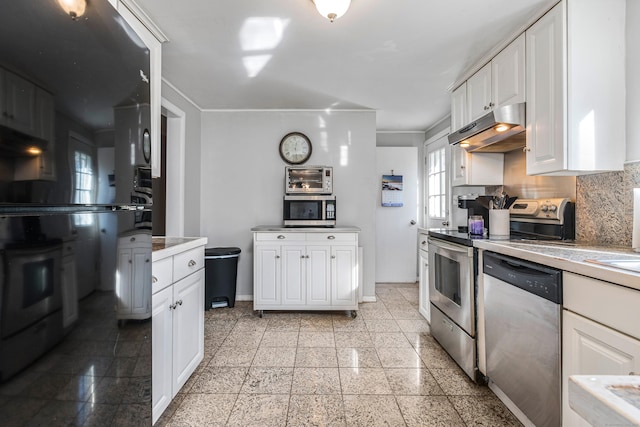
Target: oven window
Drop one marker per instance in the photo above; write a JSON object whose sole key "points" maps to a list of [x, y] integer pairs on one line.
{"points": [[304, 210], [447, 275], [38, 281]]}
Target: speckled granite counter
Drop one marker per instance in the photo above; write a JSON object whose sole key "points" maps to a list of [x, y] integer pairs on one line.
{"points": [[164, 247], [570, 257], [281, 229], [606, 400]]}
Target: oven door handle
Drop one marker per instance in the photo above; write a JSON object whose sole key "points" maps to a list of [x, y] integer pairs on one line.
{"points": [[467, 250]]}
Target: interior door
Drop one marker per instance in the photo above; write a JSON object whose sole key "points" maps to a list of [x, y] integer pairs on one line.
{"points": [[396, 228]]}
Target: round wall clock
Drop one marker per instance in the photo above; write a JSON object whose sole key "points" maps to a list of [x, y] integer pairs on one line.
{"points": [[295, 148]]}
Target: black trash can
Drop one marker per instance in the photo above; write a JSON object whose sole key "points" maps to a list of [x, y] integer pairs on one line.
{"points": [[221, 270]]}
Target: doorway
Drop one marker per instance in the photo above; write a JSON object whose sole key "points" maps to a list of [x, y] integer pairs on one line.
{"points": [[159, 209]]}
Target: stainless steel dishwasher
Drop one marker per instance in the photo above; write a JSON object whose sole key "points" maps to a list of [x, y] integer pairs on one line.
{"points": [[523, 305]]}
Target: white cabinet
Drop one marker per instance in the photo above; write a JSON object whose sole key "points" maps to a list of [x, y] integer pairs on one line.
{"points": [[479, 93], [305, 271], [177, 324], [475, 168], [459, 107], [69, 285], [575, 114], [17, 99], [423, 284], [133, 280], [500, 82], [598, 337]]}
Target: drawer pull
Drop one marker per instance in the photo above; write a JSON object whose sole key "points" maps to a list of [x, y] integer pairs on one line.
{"points": [[277, 256], [333, 257], [133, 239], [154, 279], [172, 306], [192, 263], [331, 237], [179, 302], [280, 236]]}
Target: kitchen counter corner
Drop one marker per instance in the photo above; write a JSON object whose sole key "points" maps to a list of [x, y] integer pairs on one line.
{"points": [[164, 247]]}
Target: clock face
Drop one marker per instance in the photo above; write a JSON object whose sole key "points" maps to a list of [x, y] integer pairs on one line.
{"points": [[295, 148]]}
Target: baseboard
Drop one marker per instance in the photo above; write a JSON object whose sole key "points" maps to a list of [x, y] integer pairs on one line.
{"points": [[369, 299], [244, 297]]}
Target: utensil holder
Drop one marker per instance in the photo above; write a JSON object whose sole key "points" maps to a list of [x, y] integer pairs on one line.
{"points": [[499, 222]]}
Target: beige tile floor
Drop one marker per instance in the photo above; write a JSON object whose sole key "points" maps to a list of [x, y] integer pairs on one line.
{"points": [[326, 369]]}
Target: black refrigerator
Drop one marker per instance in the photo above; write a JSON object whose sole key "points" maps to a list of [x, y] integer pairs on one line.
{"points": [[75, 201]]}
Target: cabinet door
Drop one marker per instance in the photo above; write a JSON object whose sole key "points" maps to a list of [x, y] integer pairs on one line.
{"points": [[19, 104], [507, 74], [141, 281], [293, 275], [69, 291], [344, 276], [589, 348], [479, 93], [161, 352], [123, 281], [318, 276], [459, 107], [188, 327], [545, 58], [266, 275], [423, 288], [458, 165]]}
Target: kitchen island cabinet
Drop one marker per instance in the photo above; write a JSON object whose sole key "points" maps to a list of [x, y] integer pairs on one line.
{"points": [[305, 269], [177, 316]]}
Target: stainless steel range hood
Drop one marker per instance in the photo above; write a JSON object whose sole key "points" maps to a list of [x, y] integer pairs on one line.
{"points": [[498, 131]]}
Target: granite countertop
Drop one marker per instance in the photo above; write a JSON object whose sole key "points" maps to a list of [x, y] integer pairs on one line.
{"points": [[571, 257], [164, 247], [281, 229], [606, 400]]}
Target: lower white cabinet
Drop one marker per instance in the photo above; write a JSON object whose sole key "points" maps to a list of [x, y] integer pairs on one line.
{"points": [[133, 281], [305, 271], [177, 324], [423, 284], [596, 347]]}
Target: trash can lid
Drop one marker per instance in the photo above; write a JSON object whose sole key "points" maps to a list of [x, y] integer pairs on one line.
{"points": [[221, 251]]}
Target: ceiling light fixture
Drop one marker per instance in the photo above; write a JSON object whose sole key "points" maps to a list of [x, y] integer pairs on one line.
{"points": [[332, 9], [74, 8]]}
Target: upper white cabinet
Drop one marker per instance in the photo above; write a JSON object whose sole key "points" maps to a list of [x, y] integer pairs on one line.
{"points": [[17, 100], [459, 107], [500, 82], [476, 168], [575, 56]]}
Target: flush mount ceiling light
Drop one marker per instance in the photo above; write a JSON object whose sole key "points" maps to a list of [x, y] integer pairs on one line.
{"points": [[74, 8], [332, 9]]}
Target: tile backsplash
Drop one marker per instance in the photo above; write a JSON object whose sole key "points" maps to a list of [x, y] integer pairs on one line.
{"points": [[604, 206]]}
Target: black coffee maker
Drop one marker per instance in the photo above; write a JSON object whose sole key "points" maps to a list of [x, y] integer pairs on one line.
{"points": [[476, 205]]}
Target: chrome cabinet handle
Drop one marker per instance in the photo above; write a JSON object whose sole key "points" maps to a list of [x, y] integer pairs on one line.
{"points": [[179, 302], [333, 257], [331, 237], [172, 306], [192, 263], [133, 239], [277, 256], [307, 257], [280, 236], [302, 256], [154, 279], [424, 242], [412, 222], [491, 104]]}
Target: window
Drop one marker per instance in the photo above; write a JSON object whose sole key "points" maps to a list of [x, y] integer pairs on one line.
{"points": [[436, 181], [83, 183]]}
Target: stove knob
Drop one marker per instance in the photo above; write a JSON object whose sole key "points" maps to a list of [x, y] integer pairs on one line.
{"points": [[544, 208], [553, 208]]}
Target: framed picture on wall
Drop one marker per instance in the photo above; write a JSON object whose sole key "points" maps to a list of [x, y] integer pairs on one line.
{"points": [[392, 190]]}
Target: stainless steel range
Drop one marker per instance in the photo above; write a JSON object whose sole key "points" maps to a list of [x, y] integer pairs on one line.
{"points": [[453, 271]]}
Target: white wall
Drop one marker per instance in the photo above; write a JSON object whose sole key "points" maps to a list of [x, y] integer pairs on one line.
{"points": [[633, 80], [243, 176]]}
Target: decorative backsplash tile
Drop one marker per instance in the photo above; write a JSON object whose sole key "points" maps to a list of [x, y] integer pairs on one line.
{"points": [[604, 206]]}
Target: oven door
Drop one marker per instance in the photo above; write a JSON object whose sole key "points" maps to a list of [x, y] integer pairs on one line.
{"points": [[451, 282], [32, 289]]}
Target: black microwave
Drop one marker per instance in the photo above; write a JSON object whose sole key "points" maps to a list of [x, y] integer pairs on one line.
{"points": [[309, 211]]}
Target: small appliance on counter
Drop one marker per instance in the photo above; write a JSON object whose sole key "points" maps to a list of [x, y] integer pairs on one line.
{"points": [[308, 180], [309, 211]]}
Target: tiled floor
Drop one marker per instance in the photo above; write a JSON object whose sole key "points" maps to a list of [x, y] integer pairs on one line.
{"points": [[326, 369]]}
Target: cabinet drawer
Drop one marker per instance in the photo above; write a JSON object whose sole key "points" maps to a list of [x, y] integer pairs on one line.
{"points": [[280, 237], [187, 262], [607, 303], [331, 237], [161, 274]]}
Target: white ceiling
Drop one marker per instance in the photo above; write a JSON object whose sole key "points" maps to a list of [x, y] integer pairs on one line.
{"points": [[398, 57]]}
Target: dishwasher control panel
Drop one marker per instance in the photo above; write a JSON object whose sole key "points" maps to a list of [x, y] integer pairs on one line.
{"points": [[540, 280]]}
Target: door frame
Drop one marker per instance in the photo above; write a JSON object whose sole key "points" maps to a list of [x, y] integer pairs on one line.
{"points": [[176, 146], [425, 187]]}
